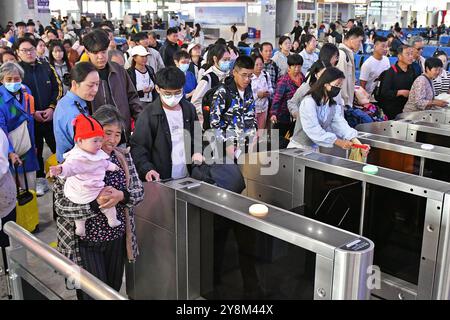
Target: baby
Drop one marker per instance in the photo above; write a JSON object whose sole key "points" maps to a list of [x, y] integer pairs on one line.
{"points": [[85, 167]]}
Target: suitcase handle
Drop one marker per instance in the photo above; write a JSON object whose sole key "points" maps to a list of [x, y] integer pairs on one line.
{"points": [[24, 176]]}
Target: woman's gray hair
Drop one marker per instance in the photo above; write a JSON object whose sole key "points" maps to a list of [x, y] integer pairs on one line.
{"points": [[10, 67], [108, 115], [115, 53]]}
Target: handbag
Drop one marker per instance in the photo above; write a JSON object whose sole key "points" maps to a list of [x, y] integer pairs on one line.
{"points": [[227, 176], [20, 139]]}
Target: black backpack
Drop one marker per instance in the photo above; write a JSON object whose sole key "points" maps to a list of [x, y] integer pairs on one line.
{"points": [[207, 100], [377, 91]]}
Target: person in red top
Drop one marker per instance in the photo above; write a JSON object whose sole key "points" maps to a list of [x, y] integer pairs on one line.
{"points": [[286, 87]]}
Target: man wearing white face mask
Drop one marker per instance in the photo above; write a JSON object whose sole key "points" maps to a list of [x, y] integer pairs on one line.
{"points": [[162, 145], [182, 60]]}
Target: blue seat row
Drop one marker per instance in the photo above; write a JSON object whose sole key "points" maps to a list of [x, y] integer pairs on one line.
{"points": [[444, 40], [428, 51]]}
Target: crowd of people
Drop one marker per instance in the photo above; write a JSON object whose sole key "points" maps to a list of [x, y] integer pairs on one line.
{"points": [[72, 87]]}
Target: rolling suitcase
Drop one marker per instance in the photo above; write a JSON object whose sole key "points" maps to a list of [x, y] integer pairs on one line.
{"points": [[27, 214]]}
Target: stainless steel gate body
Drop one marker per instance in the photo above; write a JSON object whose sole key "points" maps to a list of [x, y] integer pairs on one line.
{"points": [[287, 189], [433, 116], [410, 130], [423, 159], [168, 230]]}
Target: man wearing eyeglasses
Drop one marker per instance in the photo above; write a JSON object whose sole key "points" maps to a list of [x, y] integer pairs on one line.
{"points": [[233, 111], [162, 145], [418, 44], [46, 88]]}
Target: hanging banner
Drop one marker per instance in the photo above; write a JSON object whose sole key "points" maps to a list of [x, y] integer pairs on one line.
{"points": [[220, 15], [43, 6], [30, 4]]}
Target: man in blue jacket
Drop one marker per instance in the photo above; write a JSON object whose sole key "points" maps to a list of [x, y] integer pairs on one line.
{"points": [[46, 88]]}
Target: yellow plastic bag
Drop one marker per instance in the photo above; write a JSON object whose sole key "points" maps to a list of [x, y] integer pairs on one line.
{"points": [[50, 162], [356, 155]]}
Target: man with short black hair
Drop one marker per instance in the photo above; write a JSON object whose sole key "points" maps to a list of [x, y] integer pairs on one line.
{"points": [[170, 47], [31, 28], [232, 114], [350, 24], [21, 29], [352, 42], [242, 43], [158, 145], [297, 30], [397, 83], [116, 87], [374, 65], [46, 88]]}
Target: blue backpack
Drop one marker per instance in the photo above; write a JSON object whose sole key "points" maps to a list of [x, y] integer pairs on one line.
{"points": [[355, 116]]}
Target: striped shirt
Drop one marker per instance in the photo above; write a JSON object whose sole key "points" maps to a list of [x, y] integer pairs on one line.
{"points": [[442, 83]]}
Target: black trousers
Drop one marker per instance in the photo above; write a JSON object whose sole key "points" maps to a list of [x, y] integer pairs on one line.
{"points": [[105, 260], [283, 129], [43, 131]]}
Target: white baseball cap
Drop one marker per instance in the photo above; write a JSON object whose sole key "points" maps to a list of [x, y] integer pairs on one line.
{"points": [[139, 51], [192, 46]]}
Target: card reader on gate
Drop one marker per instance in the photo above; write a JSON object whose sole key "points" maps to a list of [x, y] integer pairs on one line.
{"points": [[189, 184]]}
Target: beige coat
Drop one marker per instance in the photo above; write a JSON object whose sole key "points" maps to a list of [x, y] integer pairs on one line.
{"points": [[347, 65]]}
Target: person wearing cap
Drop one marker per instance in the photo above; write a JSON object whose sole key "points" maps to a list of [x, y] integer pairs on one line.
{"points": [[85, 167], [182, 60], [154, 59], [21, 29], [195, 51], [142, 75], [31, 28]]}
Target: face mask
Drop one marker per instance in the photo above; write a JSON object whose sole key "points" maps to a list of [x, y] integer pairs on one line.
{"points": [[13, 86], [173, 100], [333, 92], [225, 65], [183, 67]]}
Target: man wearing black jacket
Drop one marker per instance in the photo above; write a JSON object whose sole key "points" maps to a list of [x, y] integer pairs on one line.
{"points": [[170, 47], [397, 83], [46, 88], [297, 30], [159, 146]]}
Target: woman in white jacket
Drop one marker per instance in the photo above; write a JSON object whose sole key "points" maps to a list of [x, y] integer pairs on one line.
{"points": [[217, 69]]}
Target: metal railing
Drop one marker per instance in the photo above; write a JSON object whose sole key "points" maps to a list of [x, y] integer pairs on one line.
{"points": [[81, 278]]}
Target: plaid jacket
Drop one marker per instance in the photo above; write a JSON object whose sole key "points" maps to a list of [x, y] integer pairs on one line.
{"points": [[284, 91], [68, 212], [272, 69]]}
